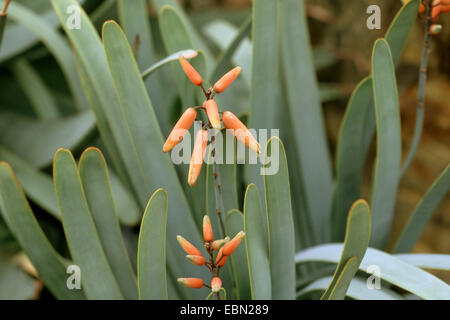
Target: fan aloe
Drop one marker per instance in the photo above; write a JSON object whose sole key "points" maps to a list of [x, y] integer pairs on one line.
{"points": [[289, 218]]}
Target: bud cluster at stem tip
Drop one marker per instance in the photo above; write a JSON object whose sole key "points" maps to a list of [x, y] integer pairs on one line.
{"points": [[230, 121], [225, 248]]}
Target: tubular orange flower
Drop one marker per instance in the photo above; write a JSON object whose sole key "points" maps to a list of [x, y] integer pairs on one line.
{"points": [[221, 259], [188, 247], [233, 244], [216, 245], [445, 8], [435, 12], [213, 113], [216, 284], [240, 131], [207, 229], [195, 283], [226, 80], [421, 8], [190, 71], [197, 260], [179, 130], [197, 156]]}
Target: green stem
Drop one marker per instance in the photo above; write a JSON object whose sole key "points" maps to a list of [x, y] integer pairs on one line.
{"points": [[218, 193], [420, 106]]}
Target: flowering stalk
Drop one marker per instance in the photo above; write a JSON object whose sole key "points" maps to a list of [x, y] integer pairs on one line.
{"points": [[420, 105], [224, 248]]}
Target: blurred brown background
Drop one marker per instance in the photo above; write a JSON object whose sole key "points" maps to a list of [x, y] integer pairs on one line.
{"points": [[340, 27]]}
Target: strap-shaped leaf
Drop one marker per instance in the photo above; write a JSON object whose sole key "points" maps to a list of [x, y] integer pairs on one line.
{"points": [[232, 50], [256, 246], [108, 111], [387, 163], [56, 44], [96, 185], [170, 58], [127, 208], [349, 165], [152, 248], [340, 288], [264, 84], [422, 213], [357, 238], [392, 270], [358, 126], [37, 185], [156, 166], [22, 222], [135, 23], [36, 90], [279, 221], [427, 261], [176, 38], [102, 123], [83, 240], [197, 40], [235, 223], [357, 290], [305, 113], [37, 140]]}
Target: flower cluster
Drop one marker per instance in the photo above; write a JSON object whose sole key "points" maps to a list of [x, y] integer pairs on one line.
{"points": [[224, 248], [438, 7], [229, 120]]}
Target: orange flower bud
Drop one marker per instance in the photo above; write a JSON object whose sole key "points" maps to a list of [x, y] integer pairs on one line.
{"points": [[221, 259], [233, 244], [197, 156], [181, 127], [445, 8], [195, 283], [188, 247], [240, 131], [216, 245], [207, 229], [213, 113], [226, 80], [190, 71], [216, 284], [421, 8], [197, 260], [435, 12]]}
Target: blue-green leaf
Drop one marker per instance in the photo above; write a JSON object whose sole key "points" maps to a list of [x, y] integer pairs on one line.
{"points": [[96, 185], [83, 240], [20, 219], [279, 221], [305, 113], [152, 248], [256, 246], [422, 213], [387, 163]]}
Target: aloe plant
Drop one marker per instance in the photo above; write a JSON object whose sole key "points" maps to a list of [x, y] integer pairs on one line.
{"points": [[115, 210]]}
